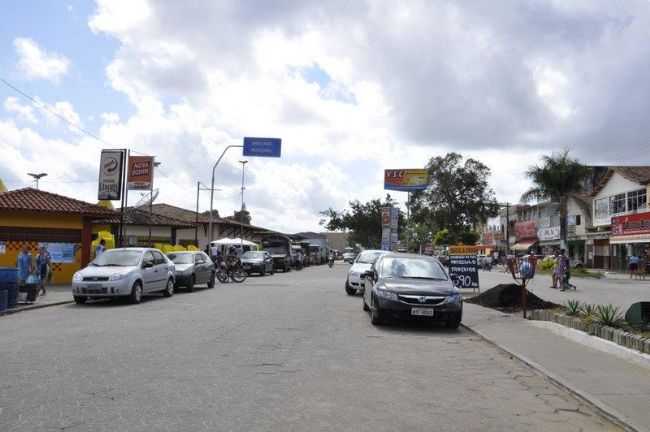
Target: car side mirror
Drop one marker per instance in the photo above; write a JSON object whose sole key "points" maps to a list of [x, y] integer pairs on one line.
{"points": [[147, 264]]}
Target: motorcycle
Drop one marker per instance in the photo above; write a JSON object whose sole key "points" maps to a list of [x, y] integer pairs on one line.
{"points": [[330, 262]]}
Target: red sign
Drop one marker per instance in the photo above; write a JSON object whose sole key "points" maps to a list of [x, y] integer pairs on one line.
{"points": [[140, 172], [632, 224], [526, 230]]}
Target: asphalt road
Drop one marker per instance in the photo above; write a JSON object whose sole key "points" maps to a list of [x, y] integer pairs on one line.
{"points": [[290, 352]]}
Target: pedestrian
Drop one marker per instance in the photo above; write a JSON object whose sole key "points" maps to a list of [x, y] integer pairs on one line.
{"points": [[633, 265], [24, 265], [563, 273], [43, 265], [101, 248], [556, 269]]}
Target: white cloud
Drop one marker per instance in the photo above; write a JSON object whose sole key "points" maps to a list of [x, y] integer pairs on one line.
{"points": [[37, 63], [63, 110], [24, 112]]}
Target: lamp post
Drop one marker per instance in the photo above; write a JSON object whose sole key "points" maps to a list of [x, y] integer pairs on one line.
{"points": [[199, 187], [155, 164], [37, 177], [214, 167], [241, 212]]}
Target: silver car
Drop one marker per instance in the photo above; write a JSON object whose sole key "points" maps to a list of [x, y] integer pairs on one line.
{"points": [[362, 263], [124, 273]]}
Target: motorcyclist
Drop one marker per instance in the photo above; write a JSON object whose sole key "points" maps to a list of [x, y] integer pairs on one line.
{"points": [[330, 260]]}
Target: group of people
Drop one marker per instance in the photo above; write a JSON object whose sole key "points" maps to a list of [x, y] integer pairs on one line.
{"points": [[562, 271], [34, 270], [639, 266]]}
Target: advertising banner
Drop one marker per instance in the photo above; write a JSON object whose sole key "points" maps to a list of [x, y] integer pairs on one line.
{"points": [[406, 180], [632, 224], [547, 234], [385, 216], [526, 230], [463, 270], [60, 252], [111, 168], [394, 218], [140, 173]]}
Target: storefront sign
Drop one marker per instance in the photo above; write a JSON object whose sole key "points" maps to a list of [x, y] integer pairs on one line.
{"points": [[463, 270], [406, 180], [548, 234], [526, 230], [60, 252], [111, 175], [632, 224], [465, 250], [140, 173]]}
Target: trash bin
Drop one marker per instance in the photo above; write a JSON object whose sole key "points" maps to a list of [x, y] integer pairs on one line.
{"points": [[9, 282], [3, 300]]}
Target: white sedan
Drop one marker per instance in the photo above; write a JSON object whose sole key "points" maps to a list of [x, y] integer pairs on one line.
{"points": [[363, 263]]}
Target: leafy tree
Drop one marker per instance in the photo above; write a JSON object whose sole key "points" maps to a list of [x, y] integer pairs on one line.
{"points": [[243, 216], [469, 237], [417, 234], [363, 220], [442, 237], [555, 179], [3, 188], [458, 197]]}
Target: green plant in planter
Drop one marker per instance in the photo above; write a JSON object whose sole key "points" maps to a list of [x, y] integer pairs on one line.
{"points": [[609, 315], [588, 313], [573, 307]]}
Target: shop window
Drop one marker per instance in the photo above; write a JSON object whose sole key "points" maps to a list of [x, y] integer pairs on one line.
{"points": [[577, 217], [617, 204], [636, 200]]}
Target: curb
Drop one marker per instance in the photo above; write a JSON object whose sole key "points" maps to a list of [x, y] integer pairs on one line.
{"points": [[606, 411], [36, 306]]}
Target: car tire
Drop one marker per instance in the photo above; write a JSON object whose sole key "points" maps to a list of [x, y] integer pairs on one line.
{"points": [[211, 280], [349, 290], [454, 323], [136, 293], [80, 299], [191, 283], [272, 270], [169, 290], [376, 315]]}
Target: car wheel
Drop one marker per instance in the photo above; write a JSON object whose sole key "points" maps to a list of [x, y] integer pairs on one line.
{"points": [[80, 299], [169, 291], [348, 289], [211, 280], [454, 323], [136, 293], [376, 316], [190, 284]]}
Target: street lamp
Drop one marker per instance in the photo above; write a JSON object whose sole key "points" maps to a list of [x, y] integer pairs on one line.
{"points": [[241, 212], [37, 177], [199, 187], [155, 164]]}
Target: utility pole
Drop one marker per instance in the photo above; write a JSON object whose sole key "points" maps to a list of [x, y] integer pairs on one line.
{"points": [[199, 187], [155, 164], [241, 212]]}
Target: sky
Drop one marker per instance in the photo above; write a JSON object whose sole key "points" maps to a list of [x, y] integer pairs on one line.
{"points": [[351, 88]]}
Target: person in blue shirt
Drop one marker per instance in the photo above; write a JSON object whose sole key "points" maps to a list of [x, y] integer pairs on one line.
{"points": [[24, 265], [101, 248]]}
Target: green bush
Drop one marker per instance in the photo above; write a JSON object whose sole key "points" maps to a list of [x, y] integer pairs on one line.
{"points": [[547, 263], [573, 307], [609, 315], [588, 313]]}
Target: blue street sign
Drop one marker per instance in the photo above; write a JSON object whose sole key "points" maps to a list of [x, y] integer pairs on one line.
{"points": [[264, 147]]}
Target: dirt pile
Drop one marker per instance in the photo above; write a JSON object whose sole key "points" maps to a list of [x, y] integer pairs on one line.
{"points": [[508, 296]]}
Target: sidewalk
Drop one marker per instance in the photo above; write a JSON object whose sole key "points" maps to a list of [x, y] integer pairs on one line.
{"points": [[56, 295], [619, 388]]}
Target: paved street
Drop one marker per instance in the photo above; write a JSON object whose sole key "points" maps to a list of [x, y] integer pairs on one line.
{"points": [[287, 352], [621, 292]]}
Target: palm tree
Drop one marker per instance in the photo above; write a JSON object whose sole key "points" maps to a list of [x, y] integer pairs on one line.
{"points": [[558, 177]]}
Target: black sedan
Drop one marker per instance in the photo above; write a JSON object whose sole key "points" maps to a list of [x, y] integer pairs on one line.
{"points": [[257, 262], [193, 268], [413, 287]]}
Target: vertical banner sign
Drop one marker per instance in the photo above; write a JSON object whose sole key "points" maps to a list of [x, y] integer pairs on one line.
{"points": [[406, 180], [385, 228], [140, 173], [110, 175], [463, 270]]}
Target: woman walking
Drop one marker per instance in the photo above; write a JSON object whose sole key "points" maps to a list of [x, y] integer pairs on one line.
{"points": [[43, 260]]}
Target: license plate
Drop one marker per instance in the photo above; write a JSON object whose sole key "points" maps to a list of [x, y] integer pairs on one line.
{"points": [[422, 312]]}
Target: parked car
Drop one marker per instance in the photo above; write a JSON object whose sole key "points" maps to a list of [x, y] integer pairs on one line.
{"points": [[257, 262], [125, 273], [411, 286], [192, 268], [362, 263], [349, 255]]}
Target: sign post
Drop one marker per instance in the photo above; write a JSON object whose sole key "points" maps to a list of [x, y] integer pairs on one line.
{"points": [[405, 180]]}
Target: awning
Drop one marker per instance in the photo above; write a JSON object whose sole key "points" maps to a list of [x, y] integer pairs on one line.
{"points": [[523, 246], [636, 238]]}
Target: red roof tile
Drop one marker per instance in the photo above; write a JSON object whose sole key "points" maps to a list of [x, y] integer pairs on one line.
{"points": [[30, 199]]}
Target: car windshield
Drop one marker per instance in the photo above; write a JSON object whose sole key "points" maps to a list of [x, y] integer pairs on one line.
{"points": [[253, 255], [412, 268], [368, 257], [118, 258], [183, 258]]}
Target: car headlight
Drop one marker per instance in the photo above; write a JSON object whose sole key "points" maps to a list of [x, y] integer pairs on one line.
{"points": [[454, 298], [77, 277], [386, 294], [117, 276]]}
